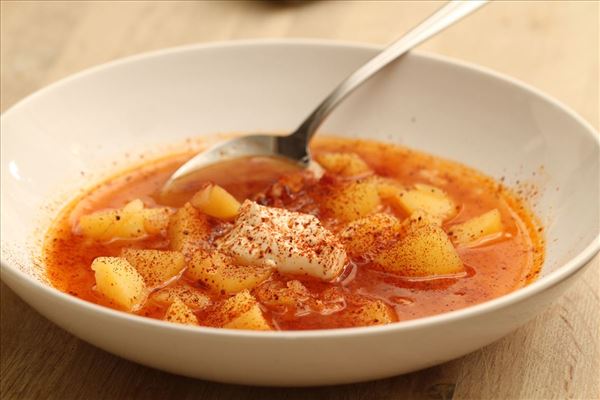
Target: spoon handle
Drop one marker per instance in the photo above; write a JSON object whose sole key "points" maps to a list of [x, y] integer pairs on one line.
{"points": [[453, 11]]}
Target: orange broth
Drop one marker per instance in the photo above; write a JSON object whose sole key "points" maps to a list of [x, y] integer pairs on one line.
{"points": [[492, 268]]}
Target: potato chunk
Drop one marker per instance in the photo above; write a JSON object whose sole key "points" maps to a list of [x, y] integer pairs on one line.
{"points": [[215, 201], [353, 201], [482, 226], [156, 220], [119, 282], [293, 297], [366, 236], [190, 296], [429, 199], [252, 319], [243, 312], [423, 250], [179, 313], [222, 274], [390, 190], [188, 230], [289, 294], [345, 164], [372, 312], [130, 222], [156, 266]]}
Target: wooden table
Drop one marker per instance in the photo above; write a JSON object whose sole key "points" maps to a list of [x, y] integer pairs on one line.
{"points": [[550, 45]]}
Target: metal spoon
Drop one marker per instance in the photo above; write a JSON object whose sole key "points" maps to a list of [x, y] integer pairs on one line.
{"points": [[294, 147]]}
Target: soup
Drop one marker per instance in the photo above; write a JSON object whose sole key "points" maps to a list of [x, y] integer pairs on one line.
{"points": [[375, 234]]}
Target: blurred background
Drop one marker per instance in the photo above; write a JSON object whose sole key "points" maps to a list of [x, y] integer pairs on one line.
{"points": [[551, 45]]}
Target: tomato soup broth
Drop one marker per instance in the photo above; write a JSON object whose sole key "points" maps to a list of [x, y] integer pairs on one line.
{"points": [[398, 200]]}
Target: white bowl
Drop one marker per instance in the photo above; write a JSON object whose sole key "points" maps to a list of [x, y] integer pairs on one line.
{"points": [[465, 113]]}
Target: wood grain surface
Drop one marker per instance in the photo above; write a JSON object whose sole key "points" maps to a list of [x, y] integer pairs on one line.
{"points": [[550, 45]]}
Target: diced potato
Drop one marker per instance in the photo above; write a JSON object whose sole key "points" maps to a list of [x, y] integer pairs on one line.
{"points": [[435, 191], [366, 236], [372, 312], [215, 201], [157, 267], [353, 201], [126, 223], [288, 294], [243, 312], [221, 274], [345, 164], [190, 296], [119, 282], [101, 225], [429, 199], [130, 222], [252, 319], [188, 230], [179, 313], [423, 250], [156, 220], [484, 225], [293, 297], [389, 189]]}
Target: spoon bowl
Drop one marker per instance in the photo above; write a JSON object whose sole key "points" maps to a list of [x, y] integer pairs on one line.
{"points": [[241, 176]]}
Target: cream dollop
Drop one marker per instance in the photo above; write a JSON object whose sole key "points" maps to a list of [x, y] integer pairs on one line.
{"points": [[292, 242]]}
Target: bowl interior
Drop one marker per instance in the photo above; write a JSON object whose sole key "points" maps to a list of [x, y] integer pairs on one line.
{"points": [[67, 136]]}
